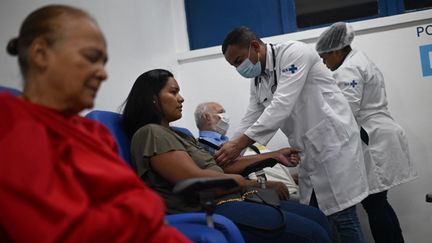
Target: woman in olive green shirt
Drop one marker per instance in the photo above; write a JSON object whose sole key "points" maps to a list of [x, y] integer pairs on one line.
{"points": [[164, 158]]}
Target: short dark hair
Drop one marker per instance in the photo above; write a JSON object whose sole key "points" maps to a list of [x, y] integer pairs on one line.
{"points": [[140, 107], [239, 36]]}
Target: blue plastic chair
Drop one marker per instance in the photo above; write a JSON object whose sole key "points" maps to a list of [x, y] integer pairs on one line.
{"points": [[9, 90], [187, 223], [221, 223], [182, 130], [113, 121]]}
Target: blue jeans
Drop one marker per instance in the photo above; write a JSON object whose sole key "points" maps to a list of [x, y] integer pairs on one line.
{"points": [[346, 226], [304, 223], [383, 221]]}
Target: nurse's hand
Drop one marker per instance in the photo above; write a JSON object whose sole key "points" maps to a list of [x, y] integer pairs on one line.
{"points": [[231, 150], [288, 156]]}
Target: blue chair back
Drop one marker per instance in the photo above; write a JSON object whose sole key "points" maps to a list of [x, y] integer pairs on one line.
{"points": [[113, 121], [182, 130], [9, 90]]}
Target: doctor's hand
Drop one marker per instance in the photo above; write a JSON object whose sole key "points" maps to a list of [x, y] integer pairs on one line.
{"points": [[231, 150], [227, 153], [288, 156]]}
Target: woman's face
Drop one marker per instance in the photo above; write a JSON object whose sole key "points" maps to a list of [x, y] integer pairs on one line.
{"points": [[76, 65], [170, 102]]}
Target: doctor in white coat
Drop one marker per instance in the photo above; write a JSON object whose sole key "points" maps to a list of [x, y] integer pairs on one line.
{"points": [[292, 90], [385, 146]]}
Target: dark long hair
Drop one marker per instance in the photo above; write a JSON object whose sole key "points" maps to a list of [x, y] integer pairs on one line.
{"points": [[141, 106]]}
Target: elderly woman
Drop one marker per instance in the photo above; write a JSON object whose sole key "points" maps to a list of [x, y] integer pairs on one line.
{"points": [[61, 179], [164, 157]]}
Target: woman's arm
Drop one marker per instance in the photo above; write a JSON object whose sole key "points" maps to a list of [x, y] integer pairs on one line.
{"points": [[286, 156], [175, 166]]}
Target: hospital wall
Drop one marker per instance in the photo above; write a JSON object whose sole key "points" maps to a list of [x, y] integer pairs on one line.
{"points": [[143, 35]]}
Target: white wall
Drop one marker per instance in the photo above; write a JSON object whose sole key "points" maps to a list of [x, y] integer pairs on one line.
{"points": [[135, 42], [147, 34]]}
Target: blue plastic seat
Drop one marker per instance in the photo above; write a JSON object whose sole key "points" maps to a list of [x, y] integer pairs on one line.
{"points": [[9, 90], [113, 121], [182, 130], [222, 224], [187, 223]]}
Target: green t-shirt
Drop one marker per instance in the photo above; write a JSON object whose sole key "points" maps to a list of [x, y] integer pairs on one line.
{"points": [[153, 139]]}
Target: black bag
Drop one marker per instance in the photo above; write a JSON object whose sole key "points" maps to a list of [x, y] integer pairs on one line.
{"points": [[264, 196], [267, 197]]}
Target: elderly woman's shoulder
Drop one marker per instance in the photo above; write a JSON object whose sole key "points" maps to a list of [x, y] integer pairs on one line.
{"points": [[10, 105], [19, 115]]}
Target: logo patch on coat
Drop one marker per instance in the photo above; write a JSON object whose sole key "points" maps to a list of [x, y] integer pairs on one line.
{"points": [[291, 69]]}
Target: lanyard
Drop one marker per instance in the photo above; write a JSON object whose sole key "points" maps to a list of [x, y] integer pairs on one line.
{"points": [[258, 79]]}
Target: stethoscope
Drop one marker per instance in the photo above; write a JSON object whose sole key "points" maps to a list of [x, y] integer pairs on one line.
{"points": [[258, 79]]}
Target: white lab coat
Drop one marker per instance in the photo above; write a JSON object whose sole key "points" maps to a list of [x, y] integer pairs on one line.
{"points": [[386, 157], [312, 112]]}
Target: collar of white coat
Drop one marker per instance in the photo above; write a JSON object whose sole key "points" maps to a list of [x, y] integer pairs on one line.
{"points": [[269, 61], [350, 54]]}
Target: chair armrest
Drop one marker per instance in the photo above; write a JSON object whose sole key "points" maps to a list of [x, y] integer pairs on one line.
{"points": [[206, 188], [194, 185], [259, 165]]}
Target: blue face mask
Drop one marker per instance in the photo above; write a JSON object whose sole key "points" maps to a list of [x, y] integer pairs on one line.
{"points": [[249, 70]]}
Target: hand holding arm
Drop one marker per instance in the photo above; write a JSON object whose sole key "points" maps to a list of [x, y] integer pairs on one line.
{"points": [[232, 149], [286, 156]]}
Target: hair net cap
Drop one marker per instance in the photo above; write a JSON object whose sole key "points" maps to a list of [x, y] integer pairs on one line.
{"points": [[336, 37]]}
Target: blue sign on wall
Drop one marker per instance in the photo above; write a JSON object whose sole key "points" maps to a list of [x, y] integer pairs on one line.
{"points": [[426, 59]]}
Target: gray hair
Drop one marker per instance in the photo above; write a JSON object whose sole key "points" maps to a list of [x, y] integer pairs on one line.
{"points": [[200, 110]]}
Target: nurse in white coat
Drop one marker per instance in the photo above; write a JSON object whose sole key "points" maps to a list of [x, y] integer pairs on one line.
{"points": [[384, 143], [292, 90]]}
